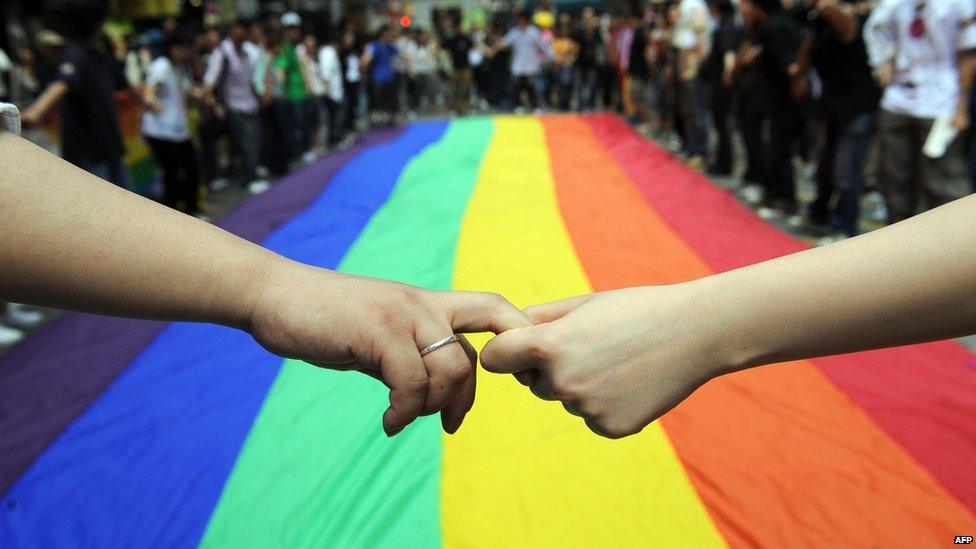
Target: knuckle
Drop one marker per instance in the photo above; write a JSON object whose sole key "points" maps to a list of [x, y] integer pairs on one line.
{"points": [[496, 301], [565, 390]]}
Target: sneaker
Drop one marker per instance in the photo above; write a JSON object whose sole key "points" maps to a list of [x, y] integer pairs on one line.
{"points": [[219, 184], [19, 317], [309, 157], [202, 217], [830, 239], [258, 186], [768, 213], [696, 163], [10, 336]]}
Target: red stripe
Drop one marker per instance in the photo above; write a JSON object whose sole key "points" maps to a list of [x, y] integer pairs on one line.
{"points": [[923, 396]]}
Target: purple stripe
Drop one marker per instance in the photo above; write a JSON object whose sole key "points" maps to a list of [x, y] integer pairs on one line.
{"points": [[51, 378]]}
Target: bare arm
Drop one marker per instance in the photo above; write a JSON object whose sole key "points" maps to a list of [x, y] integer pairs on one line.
{"points": [[967, 71], [76, 242], [623, 358], [51, 96]]}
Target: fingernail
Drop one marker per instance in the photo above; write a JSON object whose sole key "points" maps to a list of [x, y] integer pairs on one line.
{"points": [[392, 433]]}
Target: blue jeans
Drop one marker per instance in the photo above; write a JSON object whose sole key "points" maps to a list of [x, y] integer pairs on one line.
{"points": [[852, 152], [110, 170]]}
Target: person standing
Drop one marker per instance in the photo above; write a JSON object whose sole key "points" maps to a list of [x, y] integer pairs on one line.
{"points": [[296, 93], [165, 125], [565, 52], [458, 45], [777, 36], [692, 41], [308, 57], [923, 55], [423, 65], [330, 72], [352, 76], [848, 101], [379, 56], [717, 74], [528, 50], [85, 85], [228, 79]]}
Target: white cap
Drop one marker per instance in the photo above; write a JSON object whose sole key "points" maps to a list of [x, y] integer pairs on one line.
{"points": [[291, 19]]}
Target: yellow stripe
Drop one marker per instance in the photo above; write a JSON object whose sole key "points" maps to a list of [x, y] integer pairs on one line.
{"points": [[523, 472]]}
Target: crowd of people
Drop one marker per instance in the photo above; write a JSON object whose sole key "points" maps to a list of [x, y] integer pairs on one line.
{"points": [[811, 82]]}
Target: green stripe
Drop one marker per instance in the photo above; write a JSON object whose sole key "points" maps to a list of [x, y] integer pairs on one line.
{"points": [[316, 469]]}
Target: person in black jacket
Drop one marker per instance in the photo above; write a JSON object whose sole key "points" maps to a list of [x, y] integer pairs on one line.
{"points": [[778, 36]]}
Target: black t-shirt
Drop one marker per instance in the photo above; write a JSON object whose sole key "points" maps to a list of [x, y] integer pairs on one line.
{"points": [[459, 45], [849, 88], [89, 114], [780, 38], [591, 48], [638, 66], [725, 38]]}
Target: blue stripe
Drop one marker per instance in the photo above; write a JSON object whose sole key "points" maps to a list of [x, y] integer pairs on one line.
{"points": [[145, 464]]}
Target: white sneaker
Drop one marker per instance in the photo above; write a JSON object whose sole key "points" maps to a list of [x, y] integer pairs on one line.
{"points": [[309, 157], [751, 194], [19, 317], [10, 336], [258, 186], [768, 213], [219, 184]]}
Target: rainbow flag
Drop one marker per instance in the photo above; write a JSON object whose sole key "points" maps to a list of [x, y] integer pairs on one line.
{"points": [[120, 433]]}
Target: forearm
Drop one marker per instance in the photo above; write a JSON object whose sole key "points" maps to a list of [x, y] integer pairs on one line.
{"points": [[967, 71], [912, 282], [50, 97], [74, 241]]}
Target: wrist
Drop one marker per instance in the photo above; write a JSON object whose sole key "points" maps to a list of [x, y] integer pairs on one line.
{"points": [[731, 343], [258, 279]]}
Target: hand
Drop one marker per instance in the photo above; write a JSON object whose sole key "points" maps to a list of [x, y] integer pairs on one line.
{"points": [[619, 359], [960, 121], [885, 74], [347, 322], [29, 118]]}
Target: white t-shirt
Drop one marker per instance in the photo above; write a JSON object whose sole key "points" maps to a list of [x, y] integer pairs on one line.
{"points": [[170, 123], [693, 19], [528, 50], [310, 71], [330, 70], [924, 44], [9, 118]]}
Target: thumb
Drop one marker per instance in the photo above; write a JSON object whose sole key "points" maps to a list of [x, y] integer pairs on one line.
{"points": [[514, 351]]}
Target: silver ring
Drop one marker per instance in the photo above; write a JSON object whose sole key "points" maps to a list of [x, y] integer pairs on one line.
{"points": [[438, 344]]}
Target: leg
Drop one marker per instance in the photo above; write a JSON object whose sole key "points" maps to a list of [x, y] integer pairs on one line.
{"points": [[851, 156], [826, 174], [944, 179], [169, 169], [721, 104], [190, 180], [782, 142], [896, 155]]}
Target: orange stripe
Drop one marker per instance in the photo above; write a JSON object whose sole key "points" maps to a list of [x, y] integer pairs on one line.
{"points": [[780, 456]]}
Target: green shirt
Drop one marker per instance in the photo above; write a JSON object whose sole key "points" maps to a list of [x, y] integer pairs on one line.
{"points": [[287, 61]]}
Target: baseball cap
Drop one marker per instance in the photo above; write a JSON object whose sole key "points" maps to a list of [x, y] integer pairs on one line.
{"points": [[291, 19]]}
